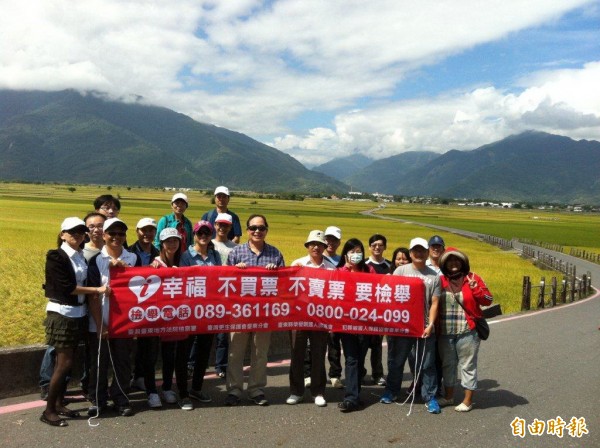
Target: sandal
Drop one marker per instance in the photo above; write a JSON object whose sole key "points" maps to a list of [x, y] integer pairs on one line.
{"points": [[68, 413], [60, 422]]}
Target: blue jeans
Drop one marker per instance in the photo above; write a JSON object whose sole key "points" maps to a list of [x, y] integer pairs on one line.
{"points": [[399, 349], [221, 352], [355, 349], [47, 367]]}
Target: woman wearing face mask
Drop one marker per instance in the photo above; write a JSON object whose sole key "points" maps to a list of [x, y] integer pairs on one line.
{"points": [[355, 345]]}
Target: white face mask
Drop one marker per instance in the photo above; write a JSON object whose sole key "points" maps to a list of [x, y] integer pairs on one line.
{"points": [[355, 257]]}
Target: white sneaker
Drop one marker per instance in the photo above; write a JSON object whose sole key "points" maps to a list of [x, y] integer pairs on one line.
{"points": [[170, 396], [337, 383], [320, 401], [154, 401], [307, 381], [186, 404], [293, 399]]}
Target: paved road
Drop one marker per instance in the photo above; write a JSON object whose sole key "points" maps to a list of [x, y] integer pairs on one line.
{"points": [[538, 365]]}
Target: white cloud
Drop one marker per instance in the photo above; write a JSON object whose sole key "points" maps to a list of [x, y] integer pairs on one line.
{"points": [[253, 66], [465, 121]]}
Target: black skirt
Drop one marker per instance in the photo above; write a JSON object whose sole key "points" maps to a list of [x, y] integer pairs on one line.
{"points": [[64, 332]]}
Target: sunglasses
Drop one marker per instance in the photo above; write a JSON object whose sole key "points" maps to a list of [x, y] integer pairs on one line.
{"points": [[75, 232], [114, 234], [255, 228], [203, 232]]}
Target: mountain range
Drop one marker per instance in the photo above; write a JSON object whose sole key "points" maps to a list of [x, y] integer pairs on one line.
{"points": [[68, 137], [531, 166], [71, 137]]}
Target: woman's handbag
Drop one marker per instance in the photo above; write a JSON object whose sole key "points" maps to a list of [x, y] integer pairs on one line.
{"points": [[481, 325]]}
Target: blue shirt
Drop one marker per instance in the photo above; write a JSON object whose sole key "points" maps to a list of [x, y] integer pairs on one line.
{"points": [[145, 257], [243, 254], [236, 226], [193, 258]]}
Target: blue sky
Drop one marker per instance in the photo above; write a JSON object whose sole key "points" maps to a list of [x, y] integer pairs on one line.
{"points": [[318, 79]]}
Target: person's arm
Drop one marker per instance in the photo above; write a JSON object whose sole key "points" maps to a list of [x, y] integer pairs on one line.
{"points": [[58, 271], [94, 299], [278, 263], [216, 257], [237, 229], [433, 312], [479, 289], [162, 223], [91, 290], [434, 307], [232, 260]]}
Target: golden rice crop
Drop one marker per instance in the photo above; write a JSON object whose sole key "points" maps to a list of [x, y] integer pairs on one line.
{"points": [[30, 217]]}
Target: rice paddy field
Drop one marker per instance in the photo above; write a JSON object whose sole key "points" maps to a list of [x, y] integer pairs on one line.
{"points": [[30, 217]]}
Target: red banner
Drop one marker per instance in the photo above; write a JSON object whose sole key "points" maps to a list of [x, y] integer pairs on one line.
{"points": [[216, 299]]}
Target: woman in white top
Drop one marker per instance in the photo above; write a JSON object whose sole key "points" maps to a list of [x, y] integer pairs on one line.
{"points": [[66, 274]]}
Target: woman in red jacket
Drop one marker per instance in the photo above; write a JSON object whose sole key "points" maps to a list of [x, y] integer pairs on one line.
{"points": [[463, 294]]}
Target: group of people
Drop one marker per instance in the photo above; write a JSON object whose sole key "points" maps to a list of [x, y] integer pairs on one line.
{"points": [[78, 291]]}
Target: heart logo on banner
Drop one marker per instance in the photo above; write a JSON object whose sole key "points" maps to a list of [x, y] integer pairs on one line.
{"points": [[143, 287]]}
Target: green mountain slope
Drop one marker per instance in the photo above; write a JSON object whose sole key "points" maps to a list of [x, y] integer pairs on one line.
{"points": [[342, 167], [383, 175], [532, 166], [67, 137]]}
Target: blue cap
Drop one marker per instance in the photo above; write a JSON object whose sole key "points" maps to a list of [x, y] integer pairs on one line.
{"points": [[436, 239]]}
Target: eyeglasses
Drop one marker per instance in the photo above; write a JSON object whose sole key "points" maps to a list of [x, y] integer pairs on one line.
{"points": [[114, 234], [315, 244], [259, 228], [92, 227], [377, 245], [107, 208]]}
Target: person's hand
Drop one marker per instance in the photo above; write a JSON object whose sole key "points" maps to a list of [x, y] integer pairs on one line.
{"points": [[104, 290], [155, 264], [241, 265], [472, 282], [115, 262], [103, 335], [427, 332], [271, 266]]}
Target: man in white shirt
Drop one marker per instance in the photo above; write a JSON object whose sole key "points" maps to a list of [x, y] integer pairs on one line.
{"points": [[333, 237], [223, 246], [112, 254], [315, 244]]}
